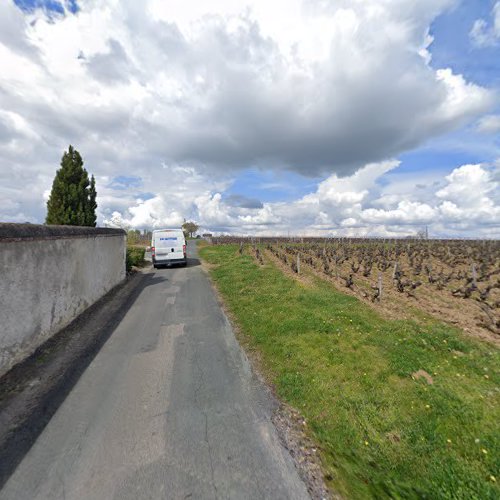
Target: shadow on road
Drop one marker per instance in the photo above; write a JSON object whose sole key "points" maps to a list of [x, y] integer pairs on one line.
{"points": [[32, 391], [191, 262]]}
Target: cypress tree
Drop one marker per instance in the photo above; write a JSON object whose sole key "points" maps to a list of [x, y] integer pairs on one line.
{"points": [[72, 201], [92, 204]]}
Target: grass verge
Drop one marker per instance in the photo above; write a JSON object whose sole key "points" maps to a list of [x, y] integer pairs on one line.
{"points": [[381, 432]]}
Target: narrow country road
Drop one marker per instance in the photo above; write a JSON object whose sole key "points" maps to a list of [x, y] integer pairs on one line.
{"points": [[167, 409]]}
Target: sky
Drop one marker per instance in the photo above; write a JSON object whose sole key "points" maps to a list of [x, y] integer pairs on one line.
{"points": [[300, 117]]}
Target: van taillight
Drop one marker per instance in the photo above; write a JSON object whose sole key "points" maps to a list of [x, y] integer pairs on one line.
{"points": [[184, 249], [152, 250]]}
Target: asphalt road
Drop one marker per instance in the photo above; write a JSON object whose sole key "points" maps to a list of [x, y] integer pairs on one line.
{"points": [[168, 408]]}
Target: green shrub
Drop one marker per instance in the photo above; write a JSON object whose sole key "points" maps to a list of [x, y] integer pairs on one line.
{"points": [[135, 257]]}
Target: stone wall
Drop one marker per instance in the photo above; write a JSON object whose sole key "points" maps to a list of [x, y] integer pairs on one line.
{"points": [[48, 276]]}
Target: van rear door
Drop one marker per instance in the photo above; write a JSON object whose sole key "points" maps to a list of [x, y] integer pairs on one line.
{"points": [[169, 245]]}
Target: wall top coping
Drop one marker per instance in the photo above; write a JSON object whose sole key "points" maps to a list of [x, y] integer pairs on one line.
{"points": [[18, 232]]}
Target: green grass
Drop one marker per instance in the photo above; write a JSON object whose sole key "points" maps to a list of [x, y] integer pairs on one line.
{"points": [[348, 371]]}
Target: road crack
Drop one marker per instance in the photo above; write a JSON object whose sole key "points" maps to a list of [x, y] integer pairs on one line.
{"points": [[197, 389]]}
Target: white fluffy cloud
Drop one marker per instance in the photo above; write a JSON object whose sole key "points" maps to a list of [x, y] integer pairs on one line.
{"points": [[184, 94], [464, 203], [170, 195], [225, 84], [471, 196]]}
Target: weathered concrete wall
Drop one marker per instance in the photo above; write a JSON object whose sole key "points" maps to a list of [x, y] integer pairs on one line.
{"points": [[48, 276]]}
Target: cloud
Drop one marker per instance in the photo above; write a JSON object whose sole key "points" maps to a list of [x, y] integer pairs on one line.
{"points": [[471, 196], [177, 190], [215, 214], [406, 213], [365, 204], [184, 95], [311, 115], [465, 202], [110, 67], [484, 34], [489, 124], [468, 202], [226, 86], [13, 26], [238, 200]]}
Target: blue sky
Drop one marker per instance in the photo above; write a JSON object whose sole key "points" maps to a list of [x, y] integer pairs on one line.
{"points": [[51, 5], [452, 44], [308, 117], [452, 47], [272, 185]]}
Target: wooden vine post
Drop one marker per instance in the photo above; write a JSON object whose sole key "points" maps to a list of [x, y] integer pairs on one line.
{"points": [[394, 272]]}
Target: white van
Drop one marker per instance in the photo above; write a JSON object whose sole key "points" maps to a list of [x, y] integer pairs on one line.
{"points": [[168, 247]]}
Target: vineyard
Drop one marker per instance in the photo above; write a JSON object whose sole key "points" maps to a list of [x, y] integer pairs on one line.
{"points": [[453, 280]]}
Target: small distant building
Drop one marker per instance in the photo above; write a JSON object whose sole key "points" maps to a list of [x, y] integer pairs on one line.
{"points": [[207, 235]]}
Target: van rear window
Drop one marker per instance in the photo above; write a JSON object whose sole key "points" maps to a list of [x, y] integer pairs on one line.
{"points": [[166, 241]]}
